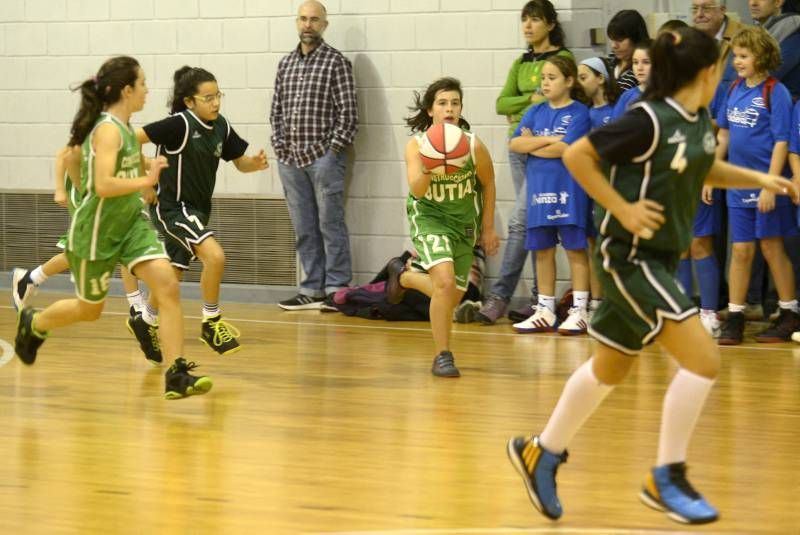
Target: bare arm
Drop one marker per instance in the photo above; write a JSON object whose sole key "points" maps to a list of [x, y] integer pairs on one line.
{"points": [[485, 171], [141, 135], [556, 150], [583, 161], [794, 165], [527, 144], [726, 175], [419, 178], [248, 164], [106, 145], [723, 141]]}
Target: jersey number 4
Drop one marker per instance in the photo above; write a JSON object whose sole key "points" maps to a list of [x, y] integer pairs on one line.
{"points": [[679, 161]]}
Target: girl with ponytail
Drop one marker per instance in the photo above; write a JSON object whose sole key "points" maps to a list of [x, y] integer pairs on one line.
{"points": [[193, 139], [108, 227], [645, 172]]}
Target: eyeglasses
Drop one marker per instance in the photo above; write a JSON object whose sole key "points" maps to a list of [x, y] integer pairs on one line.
{"points": [[208, 99], [707, 8]]}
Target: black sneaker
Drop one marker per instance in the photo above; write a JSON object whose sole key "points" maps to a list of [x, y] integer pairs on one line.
{"points": [[732, 331], [147, 336], [781, 329], [22, 288], [328, 305], [394, 291], [444, 365], [302, 302], [27, 341], [220, 335], [179, 384]]}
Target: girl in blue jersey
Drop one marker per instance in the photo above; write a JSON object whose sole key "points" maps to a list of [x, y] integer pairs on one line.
{"points": [[596, 76], [641, 69], [754, 121], [558, 208]]}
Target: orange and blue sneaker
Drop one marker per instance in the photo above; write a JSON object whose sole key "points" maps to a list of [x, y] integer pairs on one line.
{"points": [[538, 468], [667, 489]]}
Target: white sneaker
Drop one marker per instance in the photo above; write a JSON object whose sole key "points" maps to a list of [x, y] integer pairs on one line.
{"points": [[711, 322], [576, 323], [543, 321], [796, 337], [21, 289]]}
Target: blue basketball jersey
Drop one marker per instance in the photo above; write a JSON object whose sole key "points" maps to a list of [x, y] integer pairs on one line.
{"points": [[754, 129], [794, 137], [554, 198], [628, 99], [600, 115]]}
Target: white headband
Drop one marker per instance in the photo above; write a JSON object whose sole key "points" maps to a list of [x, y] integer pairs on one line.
{"points": [[597, 64]]}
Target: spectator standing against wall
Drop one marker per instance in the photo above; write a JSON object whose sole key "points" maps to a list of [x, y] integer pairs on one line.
{"points": [[314, 119], [545, 38], [710, 17], [625, 30], [785, 28]]}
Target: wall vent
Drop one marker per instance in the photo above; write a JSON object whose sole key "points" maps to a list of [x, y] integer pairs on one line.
{"points": [[256, 233]]}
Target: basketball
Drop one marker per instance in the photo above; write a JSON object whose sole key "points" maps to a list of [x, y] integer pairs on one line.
{"points": [[444, 149]]}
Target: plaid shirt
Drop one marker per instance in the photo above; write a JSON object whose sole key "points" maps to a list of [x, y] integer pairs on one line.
{"points": [[314, 107]]}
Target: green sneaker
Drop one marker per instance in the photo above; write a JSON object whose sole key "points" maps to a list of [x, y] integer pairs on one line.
{"points": [[28, 341], [220, 335], [180, 384]]}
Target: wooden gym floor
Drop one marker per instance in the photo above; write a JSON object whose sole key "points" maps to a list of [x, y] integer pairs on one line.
{"points": [[324, 423]]}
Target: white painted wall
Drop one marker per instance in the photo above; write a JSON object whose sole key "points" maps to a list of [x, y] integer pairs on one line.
{"points": [[396, 46]]}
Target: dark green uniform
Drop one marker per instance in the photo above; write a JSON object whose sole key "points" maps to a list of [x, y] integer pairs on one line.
{"points": [[193, 149], [638, 275]]}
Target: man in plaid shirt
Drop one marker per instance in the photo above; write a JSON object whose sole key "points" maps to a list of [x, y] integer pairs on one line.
{"points": [[314, 119]]}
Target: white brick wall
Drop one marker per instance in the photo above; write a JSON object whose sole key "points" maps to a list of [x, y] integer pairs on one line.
{"points": [[396, 46]]}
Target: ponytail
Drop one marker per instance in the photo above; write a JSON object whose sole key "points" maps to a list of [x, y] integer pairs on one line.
{"points": [[676, 58], [186, 80], [101, 91]]}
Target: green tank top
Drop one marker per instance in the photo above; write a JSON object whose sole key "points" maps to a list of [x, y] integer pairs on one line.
{"points": [[100, 225], [671, 173], [452, 203]]}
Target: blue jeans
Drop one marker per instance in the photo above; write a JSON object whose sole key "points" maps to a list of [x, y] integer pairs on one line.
{"points": [[515, 253], [315, 197]]}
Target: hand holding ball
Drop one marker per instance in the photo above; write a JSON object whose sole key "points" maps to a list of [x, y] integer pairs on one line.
{"points": [[444, 149]]}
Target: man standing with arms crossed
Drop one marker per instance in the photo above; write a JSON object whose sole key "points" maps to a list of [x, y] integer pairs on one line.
{"points": [[314, 119]]}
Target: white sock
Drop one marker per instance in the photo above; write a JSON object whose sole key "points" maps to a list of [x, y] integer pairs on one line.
{"points": [[210, 310], [582, 394], [150, 315], [136, 300], [594, 304], [38, 276], [735, 308], [683, 402], [788, 305], [548, 301], [580, 299]]}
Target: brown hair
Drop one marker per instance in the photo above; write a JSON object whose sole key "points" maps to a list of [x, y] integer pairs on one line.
{"points": [[569, 69], [764, 47]]}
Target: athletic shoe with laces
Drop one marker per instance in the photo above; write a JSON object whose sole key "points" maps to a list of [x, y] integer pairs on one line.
{"points": [[220, 335], [538, 468], [576, 323], [523, 313], [444, 365], [781, 329], [466, 311], [492, 309], [666, 489], [394, 290], [28, 341], [147, 336], [301, 302], [543, 321], [181, 384], [711, 323], [22, 288], [732, 331]]}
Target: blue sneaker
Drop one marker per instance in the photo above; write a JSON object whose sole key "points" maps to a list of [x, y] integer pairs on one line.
{"points": [[538, 468], [667, 489]]}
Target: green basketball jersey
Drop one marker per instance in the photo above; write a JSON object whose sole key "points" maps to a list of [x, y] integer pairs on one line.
{"points": [[73, 195], [671, 173], [452, 204], [100, 225], [192, 172]]}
